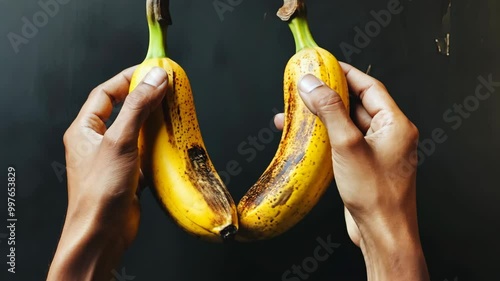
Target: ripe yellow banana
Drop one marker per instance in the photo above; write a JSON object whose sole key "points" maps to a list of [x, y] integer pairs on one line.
{"points": [[173, 155], [301, 171]]}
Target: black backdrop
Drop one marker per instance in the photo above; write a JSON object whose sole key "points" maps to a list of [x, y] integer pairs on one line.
{"points": [[235, 62]]}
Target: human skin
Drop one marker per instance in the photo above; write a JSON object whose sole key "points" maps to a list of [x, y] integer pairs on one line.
{"points": [[103, 171], [368, 150]]}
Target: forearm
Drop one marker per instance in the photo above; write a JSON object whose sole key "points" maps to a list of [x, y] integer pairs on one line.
{"points": [[394, 252], [85, 253]]}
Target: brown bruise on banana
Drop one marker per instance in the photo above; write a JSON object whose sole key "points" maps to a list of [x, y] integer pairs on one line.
{"points": [[204, 180]]}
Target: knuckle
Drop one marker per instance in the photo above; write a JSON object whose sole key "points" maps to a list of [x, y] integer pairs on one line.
{"points": [[413, 131], [328, 101], [67, 138], [94, 123], [116, 143], [110, 140], [386, 117], [379, 85], [96, 91], [349, 141], [138, 99]]}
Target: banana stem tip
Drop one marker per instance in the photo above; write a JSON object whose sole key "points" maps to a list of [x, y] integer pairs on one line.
{"points": [[290, 8], [159, 11], [228, 233]]}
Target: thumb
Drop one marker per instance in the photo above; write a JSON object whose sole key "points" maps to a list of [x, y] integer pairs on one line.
{"points": [[137, 107], [329, 107]]}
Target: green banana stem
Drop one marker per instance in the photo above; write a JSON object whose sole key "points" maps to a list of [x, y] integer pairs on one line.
{"points": [[301, 33], [294, 12], [159, 19]]}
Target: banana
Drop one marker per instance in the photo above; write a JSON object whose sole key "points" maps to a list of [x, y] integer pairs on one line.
{"points": [[301, 170], [173, 155]]}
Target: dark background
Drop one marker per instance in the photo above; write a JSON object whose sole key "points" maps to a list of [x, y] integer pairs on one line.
{"points": [[236, 68]]}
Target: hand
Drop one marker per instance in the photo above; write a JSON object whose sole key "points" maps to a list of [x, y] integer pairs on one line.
{"points": [[374, 161], [103, 177]]}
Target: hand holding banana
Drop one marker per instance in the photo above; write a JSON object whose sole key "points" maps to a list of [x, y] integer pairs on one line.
{"points": [[102, 165], [367, 153], [301, 171]]}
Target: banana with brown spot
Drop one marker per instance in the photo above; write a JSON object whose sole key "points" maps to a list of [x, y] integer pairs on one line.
{"points": [[301, 170], [173, 155]]}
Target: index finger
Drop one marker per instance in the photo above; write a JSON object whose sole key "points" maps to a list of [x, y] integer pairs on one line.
{"points": [[370, 91], [102, 99]]}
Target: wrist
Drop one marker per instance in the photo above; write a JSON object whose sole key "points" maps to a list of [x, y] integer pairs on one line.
{"points": [[86, 250], [104, 219], [392, 251]]}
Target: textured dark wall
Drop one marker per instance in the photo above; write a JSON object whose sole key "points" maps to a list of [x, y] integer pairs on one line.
{"points": [[235, 64]]}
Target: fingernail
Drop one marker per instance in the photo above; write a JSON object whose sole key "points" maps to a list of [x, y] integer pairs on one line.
{"points": [[309, 83], [156, 77]]}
